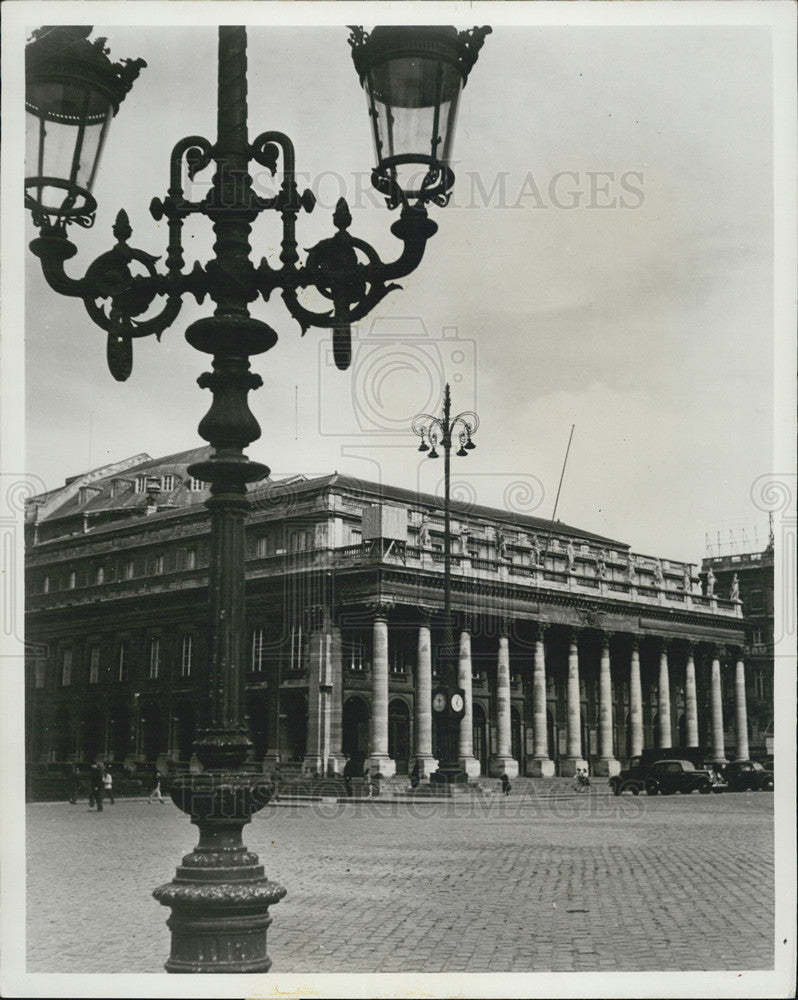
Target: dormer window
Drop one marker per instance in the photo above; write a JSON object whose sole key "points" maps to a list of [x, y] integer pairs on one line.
{"points": [[141, 484], [167, 483], [196, 485]]}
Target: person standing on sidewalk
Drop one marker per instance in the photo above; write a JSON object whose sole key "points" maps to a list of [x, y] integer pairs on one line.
{"points": [[348, 769], [108, 784], [96, 793], [156, 792]]}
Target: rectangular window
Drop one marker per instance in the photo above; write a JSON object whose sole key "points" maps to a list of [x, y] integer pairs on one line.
{"points": [[187, 653], [158, 565], [197, 485], [353, 657], [155, 657], [46, 585], [66, 668], [128, 571], [94, 665], [759, 683], [167, 483], [72, 580], [756, 638], [141, 484], [100, 575], [39, 672], [122, 660], [296, 658], [262, 546], [191, 559], [756, 601], [257, 662]]}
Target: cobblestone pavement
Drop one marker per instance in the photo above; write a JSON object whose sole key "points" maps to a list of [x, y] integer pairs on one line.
{"points": [[570, 883]]}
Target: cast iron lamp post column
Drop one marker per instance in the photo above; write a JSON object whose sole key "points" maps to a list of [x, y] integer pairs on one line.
{"points": [[220, 896], [448, 699]]}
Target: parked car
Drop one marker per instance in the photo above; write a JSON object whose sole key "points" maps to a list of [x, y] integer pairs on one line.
{"points": [[742, 775], [633, 778], [670, 776]]}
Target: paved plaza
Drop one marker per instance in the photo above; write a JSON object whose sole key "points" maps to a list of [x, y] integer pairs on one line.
{"points": [[563, 883]]}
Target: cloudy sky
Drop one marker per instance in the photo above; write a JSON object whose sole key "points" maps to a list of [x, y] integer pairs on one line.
{"points": [[606, 261]]}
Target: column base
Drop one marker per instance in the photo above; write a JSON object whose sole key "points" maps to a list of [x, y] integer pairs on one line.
{"points": [[718, 759], [606, 767], [313, 765], [426, 766], [499, 765], [568, 766], [386, 766], [540, 767], [471, 766], [336, 763]]}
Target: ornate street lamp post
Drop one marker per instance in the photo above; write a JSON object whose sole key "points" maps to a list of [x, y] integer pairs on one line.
{"points": [[448, 699], [220, 896]]}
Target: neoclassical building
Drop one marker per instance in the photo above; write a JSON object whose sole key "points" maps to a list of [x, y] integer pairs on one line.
{"points": [[571, 647]]}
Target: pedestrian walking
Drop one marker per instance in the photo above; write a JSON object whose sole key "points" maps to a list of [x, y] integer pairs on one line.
{"points": [[367, 783], [415, 774], [96, 783], [74, 784], [506, 786], [108, 784], [349, 767], [156, 792]]}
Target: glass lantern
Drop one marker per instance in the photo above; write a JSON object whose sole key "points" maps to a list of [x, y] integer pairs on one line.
{"points": [[72, 91], [413, 77]]}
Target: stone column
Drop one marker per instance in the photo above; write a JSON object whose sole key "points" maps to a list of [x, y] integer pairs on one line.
{"points": [[502, 762], [335, 759], [607, 764], [740, 712], [573, 757], [716, 711], [423, 750], [540, 765], [664, 738], [468, 762], [635, 701], [378, 759], [319, 690], [690, 700]]}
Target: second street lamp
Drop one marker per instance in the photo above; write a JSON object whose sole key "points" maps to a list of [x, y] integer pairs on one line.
{"points": [[220, 896], [449, 698]]}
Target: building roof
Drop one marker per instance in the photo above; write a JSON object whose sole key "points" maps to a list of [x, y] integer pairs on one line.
{"points": [[114, 493]]}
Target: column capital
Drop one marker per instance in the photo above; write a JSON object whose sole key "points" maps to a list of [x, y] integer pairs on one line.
{"points": [[314, 617], [736, 653], [379, 610], [463, 621], [605, 635], [573, 635], [691, 647], [539, 630], [636, 637], [423, 617], [505, 626]]}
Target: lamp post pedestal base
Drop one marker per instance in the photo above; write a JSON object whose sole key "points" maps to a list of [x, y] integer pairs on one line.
{"points": [[220, 896]]}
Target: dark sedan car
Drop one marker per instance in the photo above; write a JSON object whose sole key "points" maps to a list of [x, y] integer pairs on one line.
{"points": [[744, 775], [667, 777]]}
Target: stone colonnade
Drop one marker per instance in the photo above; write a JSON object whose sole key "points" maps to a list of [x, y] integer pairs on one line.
{"points": [[539, 762]]}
